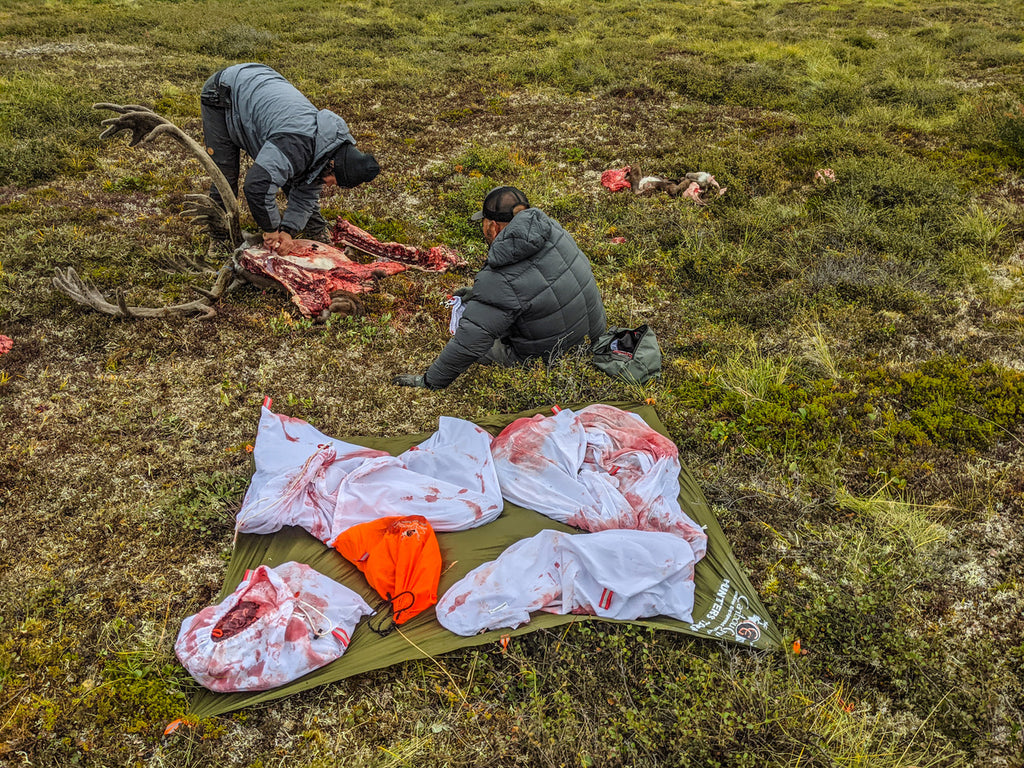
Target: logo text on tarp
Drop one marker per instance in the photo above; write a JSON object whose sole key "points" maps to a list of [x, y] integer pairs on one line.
{"points": [[729, 619]]}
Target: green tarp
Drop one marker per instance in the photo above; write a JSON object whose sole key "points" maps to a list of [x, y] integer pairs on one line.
{"points": [[726, 606]]}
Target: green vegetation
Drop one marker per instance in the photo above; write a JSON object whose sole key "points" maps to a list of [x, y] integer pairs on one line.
{"points": [[843, 367]]}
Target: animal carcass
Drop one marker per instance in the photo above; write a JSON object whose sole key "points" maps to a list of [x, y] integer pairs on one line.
{"points": [[313, 272]]}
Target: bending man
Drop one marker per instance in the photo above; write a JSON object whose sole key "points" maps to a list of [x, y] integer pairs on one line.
{"points": [[295, 148], [534, 298]]}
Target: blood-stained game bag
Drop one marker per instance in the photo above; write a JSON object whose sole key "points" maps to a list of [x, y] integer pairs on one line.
{"points": [[278, 624], [597, 468]]}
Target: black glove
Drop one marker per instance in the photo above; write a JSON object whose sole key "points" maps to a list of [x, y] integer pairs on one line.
{"points": [[464, 293], [410, 380]]}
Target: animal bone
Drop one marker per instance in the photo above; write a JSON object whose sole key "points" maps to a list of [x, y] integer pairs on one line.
{"points": [[316, 275], [692, 191], [825, 176], [321, 277], [436, 259], [693, 186], [704, 179]]}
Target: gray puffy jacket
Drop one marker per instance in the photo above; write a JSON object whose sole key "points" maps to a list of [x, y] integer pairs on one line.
{"points": [[536, 293], [288, 138]]}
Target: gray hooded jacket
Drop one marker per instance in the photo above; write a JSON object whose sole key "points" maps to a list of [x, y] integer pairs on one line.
{"points": [[288, 138], [536, 293]]}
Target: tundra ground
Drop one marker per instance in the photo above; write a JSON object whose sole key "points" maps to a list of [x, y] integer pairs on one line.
{"points": [[843, 367]]}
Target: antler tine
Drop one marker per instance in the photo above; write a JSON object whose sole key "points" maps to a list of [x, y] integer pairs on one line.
{"points": [[83, 292], [122, 108], [187, 265], [122, 305], [204, 211], [226, 194], [147, 126], [222, 285]]}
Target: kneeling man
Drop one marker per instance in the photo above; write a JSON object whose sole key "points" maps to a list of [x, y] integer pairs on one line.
{"points": [[534, 298]]}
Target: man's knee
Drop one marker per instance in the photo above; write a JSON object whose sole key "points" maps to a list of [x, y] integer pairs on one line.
{"points": [[316, 222]]}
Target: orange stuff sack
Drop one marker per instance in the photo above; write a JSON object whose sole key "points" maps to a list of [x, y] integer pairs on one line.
{"points": [[401, 560]]}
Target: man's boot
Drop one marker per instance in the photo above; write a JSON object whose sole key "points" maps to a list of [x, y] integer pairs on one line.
{"points": [[322, 235]]}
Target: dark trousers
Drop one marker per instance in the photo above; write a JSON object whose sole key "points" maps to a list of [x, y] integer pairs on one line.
{"points": [[501, 354], [214, 102]]}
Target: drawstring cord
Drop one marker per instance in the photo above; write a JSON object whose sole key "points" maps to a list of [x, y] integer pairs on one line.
{"points": [[300, 608], [265, 503], [388, 615]]}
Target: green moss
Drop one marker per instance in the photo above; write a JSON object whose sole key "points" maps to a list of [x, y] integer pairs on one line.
{"points": [[138, 699], [46, 128], [17, 207], [896, 423], [456, 115], [206, 507], [236, 42], [492, 161]]}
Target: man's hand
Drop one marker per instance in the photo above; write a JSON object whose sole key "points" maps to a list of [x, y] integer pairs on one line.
{"points": [[281, 242], [464, 293], [410, 380]]}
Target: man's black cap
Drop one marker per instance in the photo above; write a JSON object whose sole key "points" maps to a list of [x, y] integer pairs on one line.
{"points": [[353, 167], [500, 204]]}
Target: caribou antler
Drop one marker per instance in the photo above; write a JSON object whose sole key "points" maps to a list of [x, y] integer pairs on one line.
{"points": [[84, 292], [146, 126], [222, 222]]}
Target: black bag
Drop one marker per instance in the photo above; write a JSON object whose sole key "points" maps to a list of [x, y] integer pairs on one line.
{"points": [[629, 354]]}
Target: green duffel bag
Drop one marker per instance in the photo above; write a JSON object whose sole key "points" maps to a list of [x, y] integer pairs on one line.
{"points": [[630, 354]]}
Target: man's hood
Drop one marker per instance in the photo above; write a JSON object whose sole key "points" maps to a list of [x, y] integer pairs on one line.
{"points": [[331, 132], [527, 233]]}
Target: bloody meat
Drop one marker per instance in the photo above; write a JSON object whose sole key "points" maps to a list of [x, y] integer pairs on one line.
{"points": [[312, 271]]}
